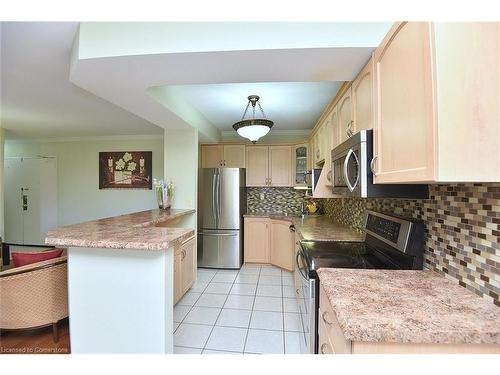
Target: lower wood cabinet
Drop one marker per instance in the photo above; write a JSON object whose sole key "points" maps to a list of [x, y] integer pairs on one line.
{"points": [[332, 341], [256, 241], [282, 245], [184, 268], [269, 241]]}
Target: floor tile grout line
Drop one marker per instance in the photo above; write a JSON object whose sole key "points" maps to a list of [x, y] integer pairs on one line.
{"points": [[190, 308], [251, 313], [220, 312]]}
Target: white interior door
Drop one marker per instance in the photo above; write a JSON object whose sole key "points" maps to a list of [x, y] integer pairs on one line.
{"points": [[30, 199]]}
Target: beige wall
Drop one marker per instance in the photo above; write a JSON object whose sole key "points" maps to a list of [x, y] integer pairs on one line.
{"points": [[2, 138], [79, 197], [181, 166]]}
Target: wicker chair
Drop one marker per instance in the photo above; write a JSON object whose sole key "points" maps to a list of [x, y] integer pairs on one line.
{"points": [[34, 296]]}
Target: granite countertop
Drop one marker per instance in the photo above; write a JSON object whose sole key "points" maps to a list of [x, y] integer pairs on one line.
{"points": [[408, 307], [131, 231], [315, 227]]}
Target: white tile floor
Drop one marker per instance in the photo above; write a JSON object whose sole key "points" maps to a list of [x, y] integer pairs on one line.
{"points": [[248, 311]]}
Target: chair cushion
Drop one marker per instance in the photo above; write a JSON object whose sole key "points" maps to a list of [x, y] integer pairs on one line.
{"points": [[23, 259]]}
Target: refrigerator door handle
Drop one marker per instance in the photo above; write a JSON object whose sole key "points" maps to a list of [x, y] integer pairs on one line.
{"points": [[214, 176], [218, 199]]}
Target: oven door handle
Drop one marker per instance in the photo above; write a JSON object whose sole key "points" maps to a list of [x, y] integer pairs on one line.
{"points": [[346, 176], [298, 266]]}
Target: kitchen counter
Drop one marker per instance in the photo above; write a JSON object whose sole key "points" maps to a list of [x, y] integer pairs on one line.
{"points": [[132, 231], [111, 263], [315, 227], [408, 307]]}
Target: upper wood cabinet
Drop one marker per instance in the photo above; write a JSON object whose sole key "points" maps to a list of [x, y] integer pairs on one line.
{"points": [[334, 123], [280, 165], [212, 156], [282, 249], [437, 89], [257, 165], [300, 164], [234, 156], [256, 240], [269, 166], [345, 121], [217, 156], [362, 99]]}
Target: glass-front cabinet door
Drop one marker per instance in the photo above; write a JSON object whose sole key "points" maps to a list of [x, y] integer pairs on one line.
{"points": [[300, 165]]}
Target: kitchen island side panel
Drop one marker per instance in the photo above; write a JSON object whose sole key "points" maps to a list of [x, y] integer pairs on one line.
{"points": [[120, 301]]}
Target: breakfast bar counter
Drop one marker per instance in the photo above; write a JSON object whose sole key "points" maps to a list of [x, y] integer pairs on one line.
{"points": [[120, 280]]}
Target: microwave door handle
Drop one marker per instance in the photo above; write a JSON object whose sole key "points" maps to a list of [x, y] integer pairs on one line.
{"points": [[346, 176]]}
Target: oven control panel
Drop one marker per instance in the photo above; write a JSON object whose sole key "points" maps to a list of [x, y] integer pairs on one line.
{"points": [[392, 230], [383, 227]]}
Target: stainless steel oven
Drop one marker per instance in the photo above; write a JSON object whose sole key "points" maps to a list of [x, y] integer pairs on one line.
{"points": [[308, 303], [352, 173]]}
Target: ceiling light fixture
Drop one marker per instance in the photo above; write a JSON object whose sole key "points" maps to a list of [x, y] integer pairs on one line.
{"points": [[253, 128]]}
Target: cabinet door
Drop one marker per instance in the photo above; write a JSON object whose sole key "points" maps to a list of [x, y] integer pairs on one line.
{"points": [[256, 240], [177, 276], [188, 265], [362, 103], [300, 165], [345, 116], [257, 164], [404, 121], [211, 156], [280, 165], [282, 245], [334, 124], [234, 156]]}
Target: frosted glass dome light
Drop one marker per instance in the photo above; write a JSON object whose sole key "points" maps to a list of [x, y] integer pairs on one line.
{"points": [[253, 128]]}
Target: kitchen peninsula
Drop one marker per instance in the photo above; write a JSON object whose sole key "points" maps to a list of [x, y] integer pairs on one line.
{"points": [[121, 280]]}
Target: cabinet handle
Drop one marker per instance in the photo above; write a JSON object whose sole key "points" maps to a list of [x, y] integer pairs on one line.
{"points": [[329, 176], [349, 130], [325, 316], [297, 291], [372, 165], [183, 254], [323, 348]]}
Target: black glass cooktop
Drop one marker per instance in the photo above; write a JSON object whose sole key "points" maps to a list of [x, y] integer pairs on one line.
{"points": [[357, 255]]}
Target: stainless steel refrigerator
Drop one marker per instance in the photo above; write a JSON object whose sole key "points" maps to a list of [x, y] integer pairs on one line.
{"points": [[221, 205]]}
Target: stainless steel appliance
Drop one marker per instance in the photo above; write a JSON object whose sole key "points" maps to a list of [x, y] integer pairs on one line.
{"points": [[312, 177], [352, 173], [390, 242], [221, 205]]}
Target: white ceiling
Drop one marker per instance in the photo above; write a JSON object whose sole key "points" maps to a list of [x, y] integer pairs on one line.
{"points": [[291, 105], [37, 98], [140, 67], [138, 78]]}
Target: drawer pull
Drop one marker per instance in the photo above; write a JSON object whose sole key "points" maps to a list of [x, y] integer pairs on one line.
{"points": [[324, 348], [325, 318]]}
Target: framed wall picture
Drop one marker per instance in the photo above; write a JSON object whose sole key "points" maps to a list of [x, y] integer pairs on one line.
{"points": [[125, 170]]}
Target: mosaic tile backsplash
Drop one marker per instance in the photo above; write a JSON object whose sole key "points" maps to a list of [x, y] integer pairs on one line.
{"points": [[462, 228], [275, 199]]}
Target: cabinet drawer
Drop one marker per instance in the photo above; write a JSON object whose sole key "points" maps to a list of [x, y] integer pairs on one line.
{"points": [[324, 344], [331, 329]]}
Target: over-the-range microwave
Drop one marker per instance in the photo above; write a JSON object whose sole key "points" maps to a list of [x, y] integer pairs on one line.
{"points": [[352, 175]]}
